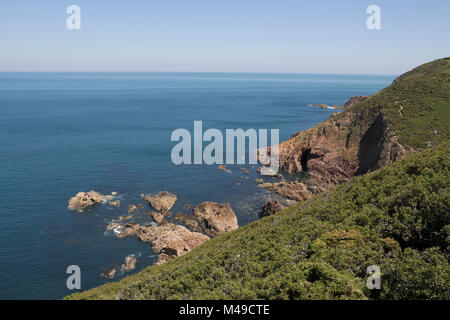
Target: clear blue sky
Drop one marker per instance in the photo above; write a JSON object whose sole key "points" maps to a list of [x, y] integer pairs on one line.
{"points": [[298, 36]]}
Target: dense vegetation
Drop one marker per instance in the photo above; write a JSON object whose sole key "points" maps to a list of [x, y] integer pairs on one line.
{"points": [[396, 218], [415, 105]]}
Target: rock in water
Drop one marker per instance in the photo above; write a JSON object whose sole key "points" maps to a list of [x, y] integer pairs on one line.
{"points": [[110, 273], [156, 216], [223, 168], [83, 200], [216, 218], [271, 207], [170, 240], [164, 201], [188, 221], [293, 190], [128, 229], [130, 263]]}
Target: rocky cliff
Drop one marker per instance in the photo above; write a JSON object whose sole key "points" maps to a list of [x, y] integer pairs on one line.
{"points": [[371, 133]]}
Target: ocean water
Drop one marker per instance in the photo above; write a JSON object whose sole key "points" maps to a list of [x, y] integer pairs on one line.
{"points": [[61, 133]]}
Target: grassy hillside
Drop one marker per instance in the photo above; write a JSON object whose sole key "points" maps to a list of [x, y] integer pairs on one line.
{"points": [[416, 106], [397, 218]]}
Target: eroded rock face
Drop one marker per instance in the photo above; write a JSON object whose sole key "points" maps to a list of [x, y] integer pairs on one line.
{"points": [[271, 207], [216, 218], [164, 201], [83, 200]]}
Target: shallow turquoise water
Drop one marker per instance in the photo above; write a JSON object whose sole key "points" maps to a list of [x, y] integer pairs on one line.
{"points": [[61, 133]]}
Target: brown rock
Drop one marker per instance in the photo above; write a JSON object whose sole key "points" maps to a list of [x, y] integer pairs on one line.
{"points": [[156, 216], [270, 207], [129, 264], [293, 190], [164, 201], [354, 100], [223, 168], [109, 273], [112, 225], [216, 218], [132, 208], [83, 200], [115, 203], [245, 171], [188, 221], [128, 229]]}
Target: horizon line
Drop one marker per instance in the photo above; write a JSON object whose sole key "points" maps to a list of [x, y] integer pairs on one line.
{"points": [[207, 72]]}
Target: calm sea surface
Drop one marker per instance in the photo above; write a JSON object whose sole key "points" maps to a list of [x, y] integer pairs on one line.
{"points": [[61, 133]]}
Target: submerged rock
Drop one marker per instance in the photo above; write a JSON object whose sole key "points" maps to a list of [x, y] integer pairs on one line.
{"points": [[122, 218], [223, 168], [270, 207], [216, 218], [132, 208], [83, 200], [164, 201]]}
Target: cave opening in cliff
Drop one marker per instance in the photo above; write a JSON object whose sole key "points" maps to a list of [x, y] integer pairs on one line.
{"points": [[304, 159]]}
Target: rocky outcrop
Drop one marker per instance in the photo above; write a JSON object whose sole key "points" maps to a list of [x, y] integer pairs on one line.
{"points": [[129, 264], [223, 168], [170, 240], [354, 100], [164, 201], [156, 216], [188, 221], [216, 218], [114, 203], [83, 200], [123, 218], [350, 143], [270, 207]]}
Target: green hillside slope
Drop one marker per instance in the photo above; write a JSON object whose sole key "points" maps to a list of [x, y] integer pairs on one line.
{"points": [[396, 218], [416, 106]]}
